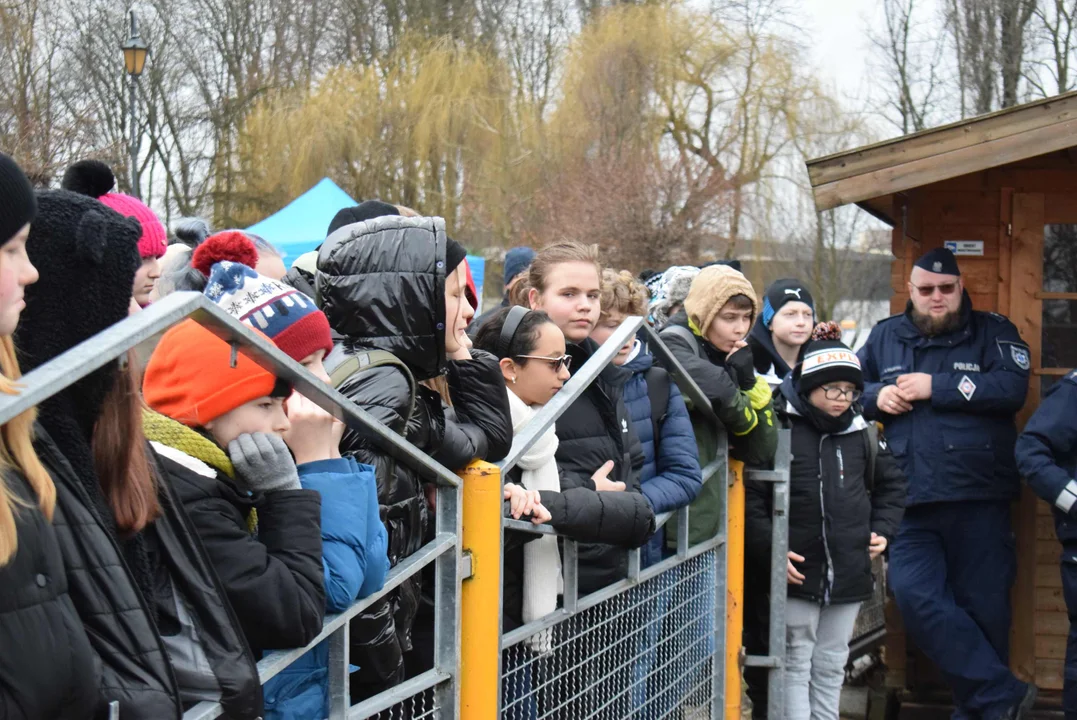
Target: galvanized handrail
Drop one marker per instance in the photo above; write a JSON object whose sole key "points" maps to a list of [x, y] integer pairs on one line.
{"points": [[68, 368], [443, 551]]}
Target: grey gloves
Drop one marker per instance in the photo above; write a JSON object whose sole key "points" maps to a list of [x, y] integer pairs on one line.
{"points": [[264, 463]]}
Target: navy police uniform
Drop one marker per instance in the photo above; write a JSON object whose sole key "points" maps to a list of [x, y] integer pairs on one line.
{"points": [[1047, 458], [953, 561]]}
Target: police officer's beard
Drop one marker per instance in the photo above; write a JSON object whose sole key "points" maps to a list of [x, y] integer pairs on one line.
{"points": [[931, 326]]}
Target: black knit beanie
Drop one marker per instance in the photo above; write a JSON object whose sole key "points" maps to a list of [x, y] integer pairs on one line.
{"points": [[17, 203], [827, 361], [454, 255], [781, 292], [366, 210]]}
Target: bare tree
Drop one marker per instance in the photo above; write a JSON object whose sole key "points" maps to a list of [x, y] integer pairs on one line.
{"points": [[989, 38], [1053, 35], [910, 64]]}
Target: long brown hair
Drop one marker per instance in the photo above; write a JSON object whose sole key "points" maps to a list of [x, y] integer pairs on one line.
{"points": [[119, 454], [17, 453]]}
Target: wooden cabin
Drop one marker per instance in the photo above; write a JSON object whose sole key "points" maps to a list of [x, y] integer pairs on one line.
{"points": [[1001, 190]]}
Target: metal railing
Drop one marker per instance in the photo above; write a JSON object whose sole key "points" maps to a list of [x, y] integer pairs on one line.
{"points": [[436, 691], [642, 645], [652, 641]]}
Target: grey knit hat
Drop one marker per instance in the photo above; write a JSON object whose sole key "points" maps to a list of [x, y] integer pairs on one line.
{"points": [[668, 290], [18, 205]]}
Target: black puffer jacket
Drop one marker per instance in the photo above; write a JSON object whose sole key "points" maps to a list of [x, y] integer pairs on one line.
{"points": [[831, 512], [595, 429], [47, 669], [135, 669], [620, 519], [382, 286]]}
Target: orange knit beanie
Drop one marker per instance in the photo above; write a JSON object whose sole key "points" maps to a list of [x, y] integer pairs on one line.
{"points": [[190, 377]]}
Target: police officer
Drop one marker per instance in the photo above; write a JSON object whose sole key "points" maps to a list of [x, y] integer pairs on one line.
{"points": [[946, 381], [1047, 458]]}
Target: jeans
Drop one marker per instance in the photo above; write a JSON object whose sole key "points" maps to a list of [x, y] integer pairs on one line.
{"points": [[816, 650]]}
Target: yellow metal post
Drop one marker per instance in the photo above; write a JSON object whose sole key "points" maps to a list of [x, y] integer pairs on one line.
{"points": [[734, 621], [480, 612]]}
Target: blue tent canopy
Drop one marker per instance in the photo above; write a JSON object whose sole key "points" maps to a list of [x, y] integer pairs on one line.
{"points": [[300, 226]]}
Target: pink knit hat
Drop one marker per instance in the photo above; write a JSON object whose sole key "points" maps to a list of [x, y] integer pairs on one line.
{"points": [[95, 178]]}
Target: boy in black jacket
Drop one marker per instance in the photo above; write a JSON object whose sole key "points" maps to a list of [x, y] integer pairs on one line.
{"points": [[847, 496]]}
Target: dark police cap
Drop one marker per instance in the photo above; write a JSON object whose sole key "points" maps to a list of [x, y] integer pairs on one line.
{"points": [[939, 260]]}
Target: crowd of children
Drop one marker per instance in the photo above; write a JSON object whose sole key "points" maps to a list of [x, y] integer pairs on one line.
{"points": [[163, 526]]}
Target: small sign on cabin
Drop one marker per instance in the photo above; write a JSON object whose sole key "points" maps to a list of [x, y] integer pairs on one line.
{"points": [[965, 247]]}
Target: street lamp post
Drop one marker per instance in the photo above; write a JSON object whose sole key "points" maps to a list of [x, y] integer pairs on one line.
{"points": [[135, 51]]}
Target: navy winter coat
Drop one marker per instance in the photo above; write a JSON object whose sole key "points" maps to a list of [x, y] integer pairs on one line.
{"points": [[670, 478], [958, 445], [1047, 455]]}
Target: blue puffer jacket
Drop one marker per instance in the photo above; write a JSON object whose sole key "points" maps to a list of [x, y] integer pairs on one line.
{"points": [[670, 478], [959, 444], [354, 560]]}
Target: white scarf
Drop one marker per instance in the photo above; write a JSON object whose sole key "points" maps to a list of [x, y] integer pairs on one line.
{"points": [[542, 561]]}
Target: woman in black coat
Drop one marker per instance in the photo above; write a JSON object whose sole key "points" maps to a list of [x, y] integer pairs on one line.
{"points": [[47, 667], [396, 285], [596, 432], [127, 546]]}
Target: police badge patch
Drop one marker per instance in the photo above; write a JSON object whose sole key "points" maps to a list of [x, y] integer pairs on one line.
{"points": [[966, 387], [1020, 356]]}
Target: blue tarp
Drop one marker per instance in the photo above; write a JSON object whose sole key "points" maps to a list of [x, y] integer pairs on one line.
{"points": [[300, 226]]}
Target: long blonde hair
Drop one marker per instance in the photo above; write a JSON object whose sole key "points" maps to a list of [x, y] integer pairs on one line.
{"points": [[17, 453]]}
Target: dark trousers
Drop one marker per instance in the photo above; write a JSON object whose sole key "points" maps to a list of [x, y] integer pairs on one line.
{"points": [[951, 569]]}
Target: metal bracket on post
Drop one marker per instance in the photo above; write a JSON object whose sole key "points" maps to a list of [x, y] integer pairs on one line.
{"points": [[779, 550]]}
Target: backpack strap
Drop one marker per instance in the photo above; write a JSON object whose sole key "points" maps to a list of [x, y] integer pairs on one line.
{"points": [[657, 380], [871, 452], [684, 334], [368, 359]]}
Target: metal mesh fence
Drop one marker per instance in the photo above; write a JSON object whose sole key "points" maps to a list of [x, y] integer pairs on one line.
{"points": [[420, 706], [645, 653], [872, 615]]}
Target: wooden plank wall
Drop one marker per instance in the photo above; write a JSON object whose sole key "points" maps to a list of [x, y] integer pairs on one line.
{"points": [[982, 207]]}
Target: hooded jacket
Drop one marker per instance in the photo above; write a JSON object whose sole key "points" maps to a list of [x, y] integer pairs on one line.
{"points": [[747, 415], [671, 477], [831, 511], [87, 256], [54, 673], [382, 286], [959, 444], [595, 429]]}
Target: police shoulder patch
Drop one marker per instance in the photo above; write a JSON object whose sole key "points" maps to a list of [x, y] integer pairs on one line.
{"points": [[1020, 356]]}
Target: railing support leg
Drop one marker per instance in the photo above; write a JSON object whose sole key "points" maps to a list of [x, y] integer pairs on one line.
{"points": [[480, 641], [734, 609]]}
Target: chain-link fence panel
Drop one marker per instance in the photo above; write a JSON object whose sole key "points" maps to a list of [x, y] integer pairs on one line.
{"points": [[644, 653]]}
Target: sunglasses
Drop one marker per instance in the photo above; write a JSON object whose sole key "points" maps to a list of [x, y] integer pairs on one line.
{"points": [[565, 361], [837, 393], [928, 290]]}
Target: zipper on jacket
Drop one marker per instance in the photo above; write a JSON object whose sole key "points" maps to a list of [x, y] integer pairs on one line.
{"points": [[828, 577], [841, 469]]}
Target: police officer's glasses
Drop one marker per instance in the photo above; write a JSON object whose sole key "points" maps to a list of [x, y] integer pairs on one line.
{"points": [[565, 361], [928, 290], [837, 393]]}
